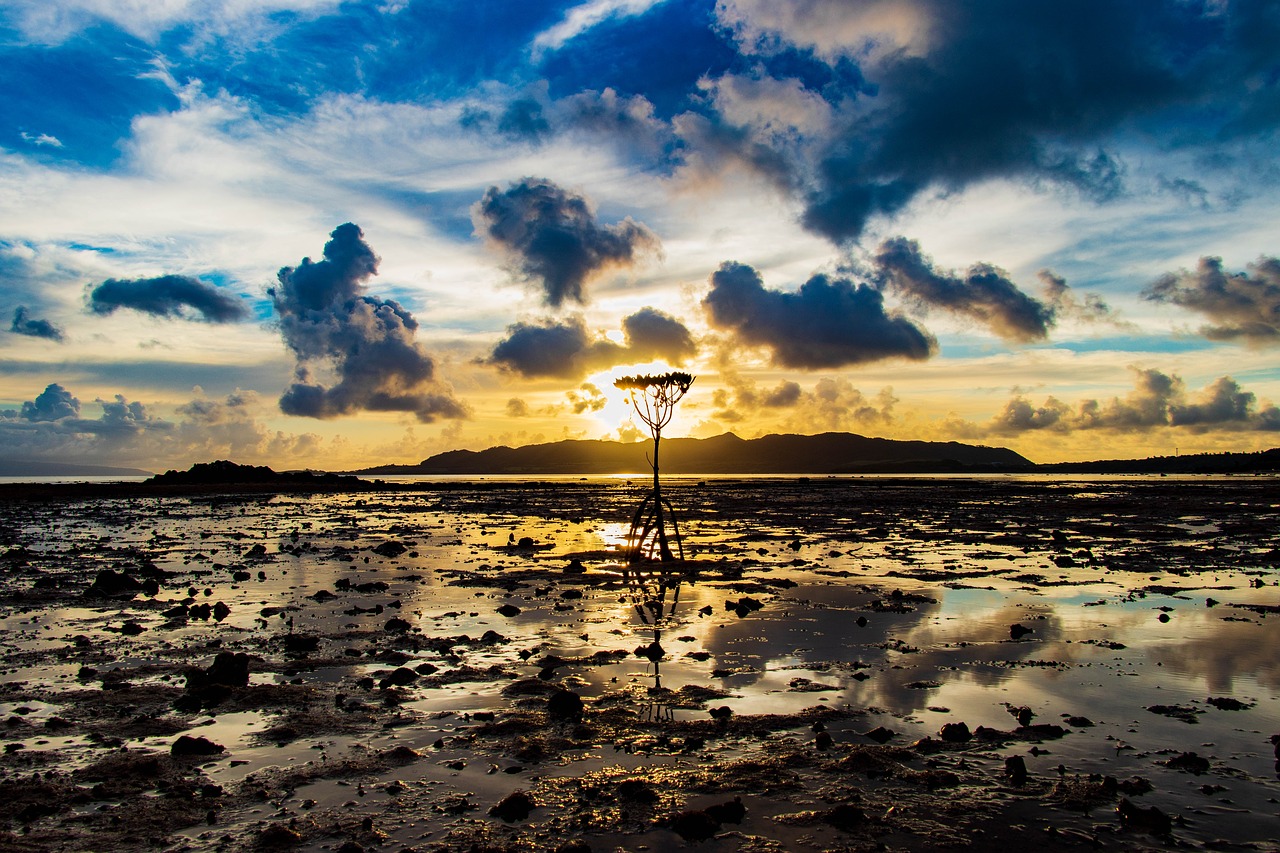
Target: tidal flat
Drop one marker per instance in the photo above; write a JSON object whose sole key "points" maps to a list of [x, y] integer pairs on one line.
{"points": [[838, 664]]}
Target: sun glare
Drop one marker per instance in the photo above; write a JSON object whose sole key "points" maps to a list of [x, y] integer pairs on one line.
{"points": [[617, 414]]}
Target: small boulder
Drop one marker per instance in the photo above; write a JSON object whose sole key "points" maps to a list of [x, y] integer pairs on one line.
{"points": [[955, 733], [186, 745], [515, 806]]}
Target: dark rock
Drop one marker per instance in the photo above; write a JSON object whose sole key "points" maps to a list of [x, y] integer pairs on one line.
{"points": [[221, 611], [1015, 768], [1227, 703], [861, 621], [564, 705], [401, 677], [694, 825], [732, 811], [880, 734], [653, 651], [1150, 820], [823, 741], [390, 549], [637, 791], [301, 643], [131, 629], [509, 610], [279, 835], [1189, 762], [230, 669], [1080, 722], [955, 733], [110, 584], [515, 806], [723, 713], [845, 817], [350, 847], [396, 625], [186, 745], [575, 567], [1017, 631]]}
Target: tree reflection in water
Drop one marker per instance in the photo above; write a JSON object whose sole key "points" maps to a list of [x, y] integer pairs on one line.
{"points": [[654, 590]]}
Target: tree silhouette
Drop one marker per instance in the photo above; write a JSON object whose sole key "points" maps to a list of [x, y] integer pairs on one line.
{"points": [[654, 399]]}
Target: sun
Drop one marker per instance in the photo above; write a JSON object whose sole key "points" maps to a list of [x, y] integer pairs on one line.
{"points": [[616, 417]]}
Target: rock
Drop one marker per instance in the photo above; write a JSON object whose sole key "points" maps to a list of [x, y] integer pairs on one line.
{"points": [[823, 741], [694, 825], [509, 610], [221, 611], [1017, 631], [390, 549], [396, 625], [1163, 617], [400, 677], [637, 791], [1189, 762], [653, 651], [108, 584], [1227, 703], [845, 817], [1150, 820], [300, 643], [881, 735], [1080, 722], [351, 847], [723, 713], [131, 629], [1015, 768], [861, 621], [955, 733], [229, 669], [515, 806], [732, 811], [575, 567], [564, 705], [186, 745], [279, 835]]}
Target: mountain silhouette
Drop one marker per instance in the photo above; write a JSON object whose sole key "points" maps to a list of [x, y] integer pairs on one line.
{"points": [[828, 453]]}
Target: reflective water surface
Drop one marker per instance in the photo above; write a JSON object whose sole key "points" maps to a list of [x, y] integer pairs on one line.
{"points": [[1091, 627]]}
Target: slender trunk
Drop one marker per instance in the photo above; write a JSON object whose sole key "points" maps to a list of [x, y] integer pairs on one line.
{"points": [[664, 549]]}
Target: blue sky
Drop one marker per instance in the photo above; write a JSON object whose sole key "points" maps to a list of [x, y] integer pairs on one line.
{"points": [[365, 232]]}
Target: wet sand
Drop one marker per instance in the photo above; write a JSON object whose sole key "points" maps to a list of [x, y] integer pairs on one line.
{"points": [[839, 664]]}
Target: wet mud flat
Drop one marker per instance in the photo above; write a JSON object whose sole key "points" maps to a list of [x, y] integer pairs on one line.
{"points": [[838, 664]]}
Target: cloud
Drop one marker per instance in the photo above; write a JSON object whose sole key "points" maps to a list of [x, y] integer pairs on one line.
{"points": [[53, 427], [517, 408], [984, 293], [831, 404], [826, 323], [588, 398], [167, 296], [1158, 400], [25, 324], [551, 239], [578, 19], [1243, 306], [961, 91], [566, 350], [367, 343]]}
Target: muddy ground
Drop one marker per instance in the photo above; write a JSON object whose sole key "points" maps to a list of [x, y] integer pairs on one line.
{"points": [[838, 664]]}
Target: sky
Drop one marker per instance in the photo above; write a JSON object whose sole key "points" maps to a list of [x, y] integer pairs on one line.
{"points": [[309, 233]]}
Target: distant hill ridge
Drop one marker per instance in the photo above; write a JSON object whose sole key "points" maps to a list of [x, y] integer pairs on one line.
{"points": [[827, 453]]}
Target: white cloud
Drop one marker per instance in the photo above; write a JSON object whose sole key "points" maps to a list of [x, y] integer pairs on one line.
{"points": [[581, 18]]}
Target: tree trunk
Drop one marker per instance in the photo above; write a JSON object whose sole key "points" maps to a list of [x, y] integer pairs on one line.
{"points": [[664, 549]]}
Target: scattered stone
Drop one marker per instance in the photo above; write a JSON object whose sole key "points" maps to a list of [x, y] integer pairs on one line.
{"points": [[390, 549], [1227, 703], [396, 625], [882, 735], [575, 567], [723, 713], [1149, 820], [575, 846], [279, 835], [732, 811], [509, 610], [515, 806], [1017, 631], [186, 745], [301, 643], [1015, 768], [229, 669], [1079, 722], [955, 733], [1189, 762], [108, 584], [845, 817], [564, 705], [694, 825], [1186, 713]]}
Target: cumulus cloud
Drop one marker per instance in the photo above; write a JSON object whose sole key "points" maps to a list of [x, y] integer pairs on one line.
{"points": [[551, 239], [961, 91], [25, 324], [983, 293], [830, 404], [53, 427], [828, 322], [1242, 306], [566, 349], [367, 343], [1157, 400], [168, 296]]}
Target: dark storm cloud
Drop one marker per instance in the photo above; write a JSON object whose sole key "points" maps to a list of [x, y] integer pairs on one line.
{"points": [[566, 350], [1158, 400], [983, 89], [826, 323], [368, 343], [552, 240], [1243, 306], [167, 296], [983, 293], [25, 324]]}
